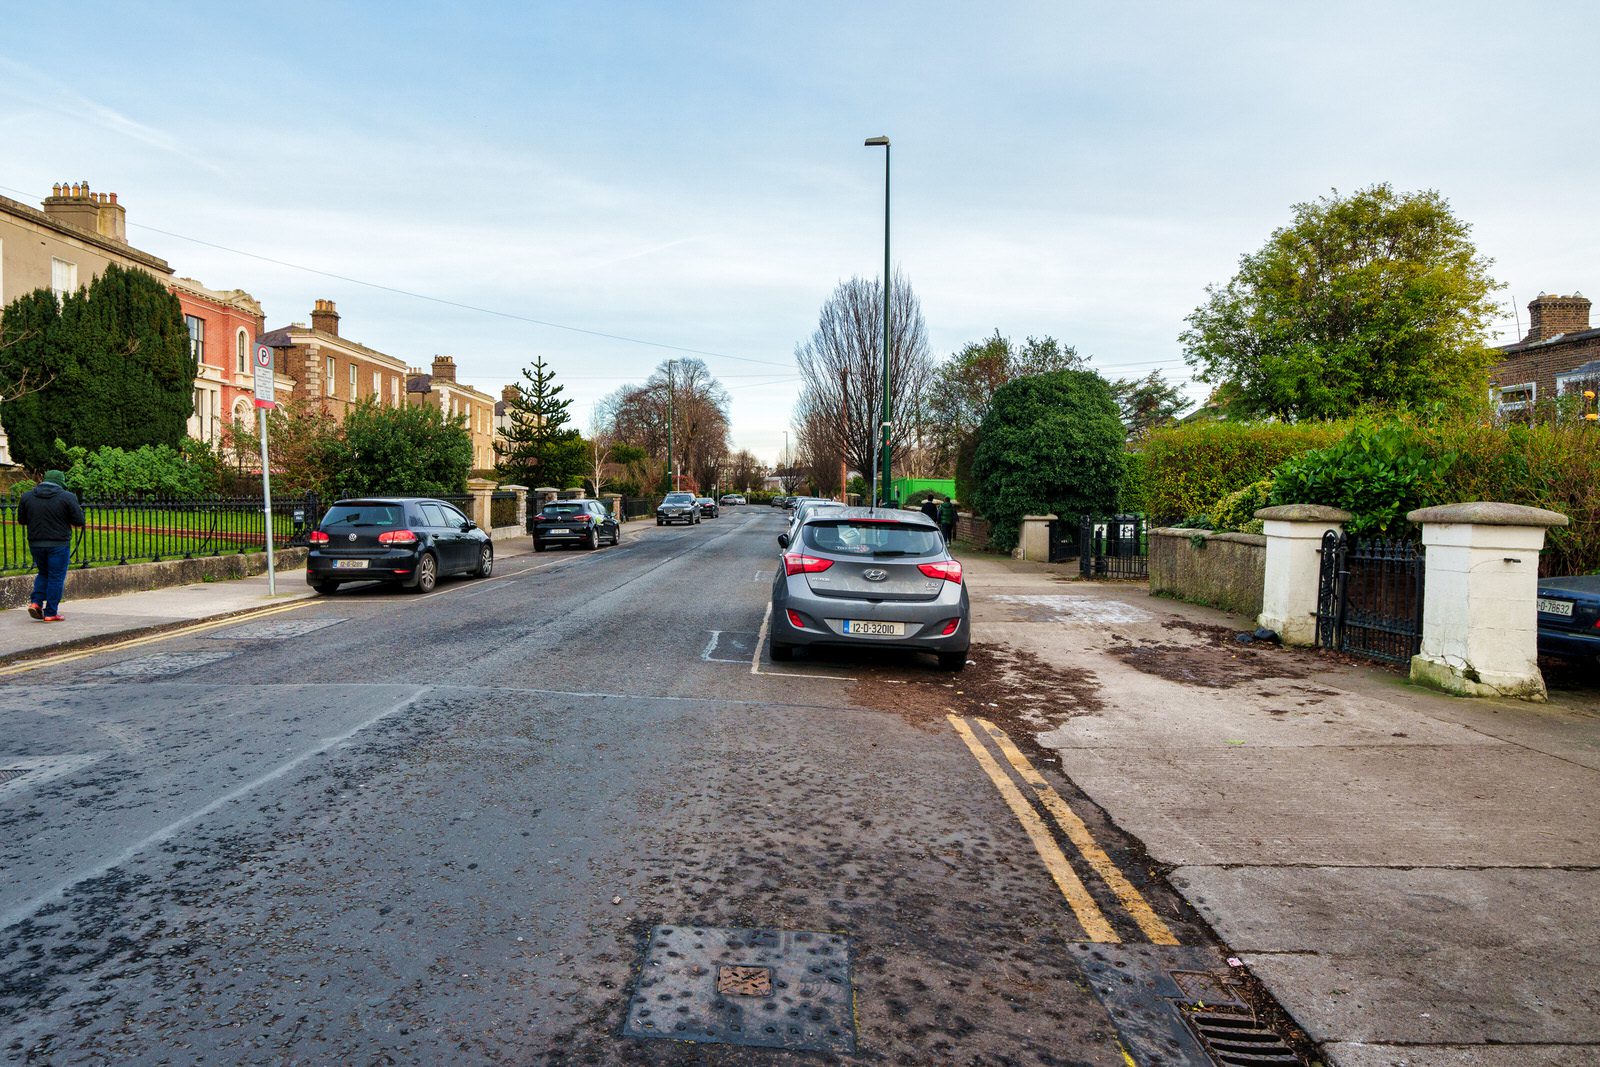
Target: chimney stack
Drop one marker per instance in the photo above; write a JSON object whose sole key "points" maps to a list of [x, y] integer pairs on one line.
{"points": [[1551, 315], [444, 368], [510, 394], [73, 204], [324, 317]]}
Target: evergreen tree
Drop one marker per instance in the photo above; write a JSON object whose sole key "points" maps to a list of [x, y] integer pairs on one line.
{"points": [[540, 449], [112, 364]]}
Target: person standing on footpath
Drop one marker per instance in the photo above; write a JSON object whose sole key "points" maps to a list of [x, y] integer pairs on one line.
{"points": [[930, 508], [947, 520], [50, 512]]}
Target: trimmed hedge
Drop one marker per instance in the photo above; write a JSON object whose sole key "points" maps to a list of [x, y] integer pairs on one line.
{"points": [[1189, 468], [1132, 500]]}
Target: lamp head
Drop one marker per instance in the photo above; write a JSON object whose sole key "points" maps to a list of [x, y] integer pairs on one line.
{"points": [[875, 142]]}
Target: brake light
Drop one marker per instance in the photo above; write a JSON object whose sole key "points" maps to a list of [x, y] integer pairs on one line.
{"points": [[950, 627], [583, 518], [397, 537], [796, 563], [796, 620], [317, 537], [949, 570]]}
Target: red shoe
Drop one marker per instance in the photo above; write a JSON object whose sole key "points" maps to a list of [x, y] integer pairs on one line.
{"points": [[35, 611], [54, 618]]}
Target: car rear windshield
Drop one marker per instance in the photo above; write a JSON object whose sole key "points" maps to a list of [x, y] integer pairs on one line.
{"points": [[557, 510], [869, 538], [365, 515]]}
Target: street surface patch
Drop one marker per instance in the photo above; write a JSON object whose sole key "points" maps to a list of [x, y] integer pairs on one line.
{"points": [[1088, 610], [25, 772], [705, 984], [162, 664], [730, 646], [273, 631]]}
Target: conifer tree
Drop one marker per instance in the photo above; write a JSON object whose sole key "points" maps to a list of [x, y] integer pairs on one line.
{"points": [[540, 449]]}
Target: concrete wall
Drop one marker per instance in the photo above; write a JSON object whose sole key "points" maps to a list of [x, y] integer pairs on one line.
{"points": [[86, 584], [1223, 569]]}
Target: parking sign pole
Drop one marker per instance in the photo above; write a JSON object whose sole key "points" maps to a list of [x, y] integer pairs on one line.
{"points": [[266, 506]]}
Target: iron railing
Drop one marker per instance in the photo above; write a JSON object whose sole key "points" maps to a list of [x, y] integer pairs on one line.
{"points": [[503, 508], [1115, 546], [154, 528], [637, 507], [1369, 596]]}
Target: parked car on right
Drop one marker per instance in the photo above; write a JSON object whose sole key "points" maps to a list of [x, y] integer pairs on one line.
{"points": [[1569, 616], [678, 507]]}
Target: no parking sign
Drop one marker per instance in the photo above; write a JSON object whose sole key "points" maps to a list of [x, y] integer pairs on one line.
{"points": [[265, 396]]}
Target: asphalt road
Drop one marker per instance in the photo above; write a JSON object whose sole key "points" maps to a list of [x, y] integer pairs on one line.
{"points": [[385, 828]]}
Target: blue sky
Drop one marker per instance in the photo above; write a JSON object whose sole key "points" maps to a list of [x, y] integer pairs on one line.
{"points": [[693, 175]]}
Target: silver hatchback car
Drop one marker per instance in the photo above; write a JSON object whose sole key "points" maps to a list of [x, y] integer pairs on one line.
{"points": [[854, 577]]}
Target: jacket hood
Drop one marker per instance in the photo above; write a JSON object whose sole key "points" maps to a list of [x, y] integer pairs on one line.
{"points": [[47, 489]]}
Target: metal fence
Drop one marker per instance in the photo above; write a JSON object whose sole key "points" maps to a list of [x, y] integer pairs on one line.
{"points": [[1369, 596], [1115, 546], [637, 507], [503, 508], [133, 530]]}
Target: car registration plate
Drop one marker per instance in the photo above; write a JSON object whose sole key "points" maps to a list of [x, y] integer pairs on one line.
{"points": [[863, 628], [350, 564], [1556, 607], [558, 529]]}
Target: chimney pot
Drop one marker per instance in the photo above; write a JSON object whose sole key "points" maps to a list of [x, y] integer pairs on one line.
{"points": [[1551, 315], [444, 367], [324, 317]]}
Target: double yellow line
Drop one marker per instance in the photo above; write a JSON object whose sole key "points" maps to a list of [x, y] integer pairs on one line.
{"points": [[1077, 895]]}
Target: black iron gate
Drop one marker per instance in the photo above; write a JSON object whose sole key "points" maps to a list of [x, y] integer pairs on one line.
{"points": [[1369, 596], [1107, 547]]}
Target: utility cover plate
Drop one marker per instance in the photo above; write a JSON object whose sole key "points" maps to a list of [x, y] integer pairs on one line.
{"points": [[1135, 984], [808, 1006], [273, 631]]}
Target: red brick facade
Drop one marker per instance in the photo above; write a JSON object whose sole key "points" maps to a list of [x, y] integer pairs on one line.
{"points": [[1559, 355], [222, 327]]}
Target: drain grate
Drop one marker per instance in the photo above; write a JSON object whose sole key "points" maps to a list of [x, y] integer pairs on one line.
{"points": [[8, 773], [1235, 1040]]}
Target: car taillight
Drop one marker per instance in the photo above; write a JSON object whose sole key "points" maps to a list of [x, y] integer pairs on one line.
{"points": [[796, 620], [795, 563], [950, 627], [397, 537], [317, 537], [949, 570], [583, 518]]}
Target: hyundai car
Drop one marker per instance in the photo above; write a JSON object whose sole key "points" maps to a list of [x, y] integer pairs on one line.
{"points": [[869, 577], [412, 541]]}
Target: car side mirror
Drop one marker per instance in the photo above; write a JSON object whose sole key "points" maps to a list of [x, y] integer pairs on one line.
{"points": [[783, 540], [468, 525]]}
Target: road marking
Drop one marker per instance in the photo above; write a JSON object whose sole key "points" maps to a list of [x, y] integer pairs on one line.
{"points": [[1090, 917], [28, 908], [711, 645], [136, 642], [755, 657], [1078, 833]]}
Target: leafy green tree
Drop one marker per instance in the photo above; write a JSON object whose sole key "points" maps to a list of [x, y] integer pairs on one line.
{"points": [[540, 448], [1148, 403], [1378, 299], [112, 362], [414, 450], [306, 446], [190, 470], [1049, 443]]}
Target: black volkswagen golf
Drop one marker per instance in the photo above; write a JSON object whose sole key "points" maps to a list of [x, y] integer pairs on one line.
{"points": [[410, 540]]}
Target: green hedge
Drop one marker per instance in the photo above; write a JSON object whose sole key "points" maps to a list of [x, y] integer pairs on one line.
{"points": [[1189, 468], [1134, 481]]}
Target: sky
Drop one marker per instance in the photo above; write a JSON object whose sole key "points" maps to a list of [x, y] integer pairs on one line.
{"points": [[611, 185]]}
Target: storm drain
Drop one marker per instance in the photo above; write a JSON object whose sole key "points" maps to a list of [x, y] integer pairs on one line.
{"points": [[1234, 1039], [787, 989], [8, 773]]}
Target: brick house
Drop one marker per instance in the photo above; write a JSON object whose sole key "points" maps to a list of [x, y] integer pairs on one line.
{"points": [[323, 366], [222, 327], [441, 390], [1560, 355]]}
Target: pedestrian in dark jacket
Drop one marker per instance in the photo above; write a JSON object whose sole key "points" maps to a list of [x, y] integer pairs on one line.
{"points": [[930, 508], [947, 520], [50, 512]]}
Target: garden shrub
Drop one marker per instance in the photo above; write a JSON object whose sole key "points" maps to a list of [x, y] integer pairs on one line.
{"points": [[1049, 443], [191, 470], [1189, 468], [1376, 472], [1132, 501], [1237, 510]]}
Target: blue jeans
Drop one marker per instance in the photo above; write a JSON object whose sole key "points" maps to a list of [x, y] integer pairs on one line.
{"points": [[52, 577]]}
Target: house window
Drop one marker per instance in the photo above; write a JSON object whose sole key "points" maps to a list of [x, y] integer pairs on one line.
{"points": [[327, 383], [197, 337], [352, 381], [394, 391], [1511, 398], [63, 278], [241, 355], [377, 384]]}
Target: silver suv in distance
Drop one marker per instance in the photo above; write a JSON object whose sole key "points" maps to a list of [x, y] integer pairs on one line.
{"points": [[856, 577], [678, 507]]}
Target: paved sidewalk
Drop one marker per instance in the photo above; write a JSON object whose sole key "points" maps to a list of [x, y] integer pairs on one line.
{"points": [[1415, 876]]}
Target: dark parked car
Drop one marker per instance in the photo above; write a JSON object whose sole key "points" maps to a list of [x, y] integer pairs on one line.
{"points": [[574, 522], [708, 507], [1569, 616], [677, 507], [410, 540], [857, 577]]}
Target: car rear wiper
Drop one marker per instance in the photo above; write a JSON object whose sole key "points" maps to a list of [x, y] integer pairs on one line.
{"points": [[898, 552]]}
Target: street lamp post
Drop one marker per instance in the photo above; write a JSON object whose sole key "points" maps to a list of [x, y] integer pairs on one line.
{"points": [[874, 142]]}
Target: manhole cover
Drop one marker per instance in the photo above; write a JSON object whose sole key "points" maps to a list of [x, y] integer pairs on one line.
{"points": [[273, 631], [162, 664], [1235, 1040], [702, 983]]}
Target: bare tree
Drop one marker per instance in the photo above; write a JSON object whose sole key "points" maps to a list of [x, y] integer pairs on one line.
{"points": [[842, 368], [698, 405], [745, 471]]}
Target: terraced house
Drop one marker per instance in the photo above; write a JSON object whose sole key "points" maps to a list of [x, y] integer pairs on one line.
{"points": [[441, 390], [336, 371], [1559, 356]]}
